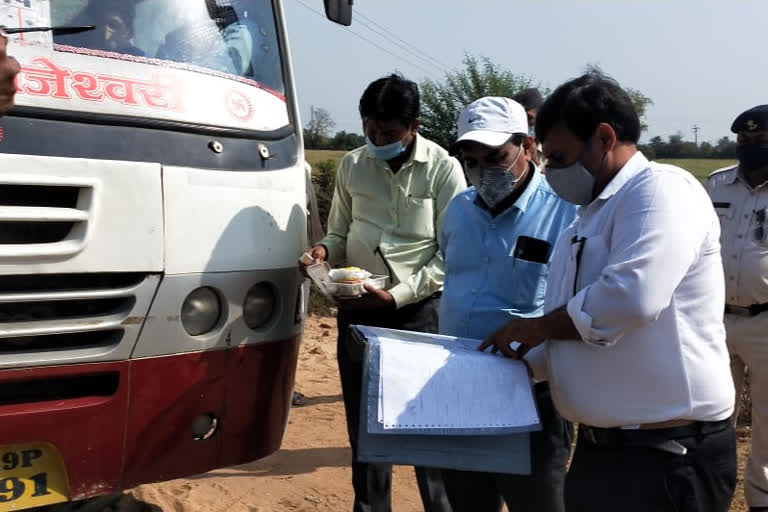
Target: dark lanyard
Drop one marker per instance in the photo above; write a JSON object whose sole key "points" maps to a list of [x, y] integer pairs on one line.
{"points": [[581, 240]]}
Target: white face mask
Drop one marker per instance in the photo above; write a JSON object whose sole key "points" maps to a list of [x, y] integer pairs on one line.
{"points": [[495, 184], [573, 183]]}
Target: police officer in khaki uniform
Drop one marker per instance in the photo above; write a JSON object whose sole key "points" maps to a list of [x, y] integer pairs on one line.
{"points": [[740, 197]]}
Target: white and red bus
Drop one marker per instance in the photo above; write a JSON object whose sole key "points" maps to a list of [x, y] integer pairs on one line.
{"points": [[152, 209]]}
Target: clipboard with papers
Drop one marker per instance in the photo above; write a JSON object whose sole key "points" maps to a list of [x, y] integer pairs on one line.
{"points": [[435, 401]]}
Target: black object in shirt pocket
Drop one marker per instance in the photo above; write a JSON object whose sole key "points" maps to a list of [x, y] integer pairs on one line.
{"points": [[532, 249]]}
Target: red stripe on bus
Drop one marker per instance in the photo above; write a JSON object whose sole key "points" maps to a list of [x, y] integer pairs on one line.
{"points": [[247, 389], [143, 431], [88, 431]]}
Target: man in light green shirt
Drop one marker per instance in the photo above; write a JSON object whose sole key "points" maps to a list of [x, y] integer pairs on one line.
{"points": [[386, 216], [386, 219]]}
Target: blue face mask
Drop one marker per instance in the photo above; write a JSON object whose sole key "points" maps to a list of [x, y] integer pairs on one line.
{"points": [[387, 152]]}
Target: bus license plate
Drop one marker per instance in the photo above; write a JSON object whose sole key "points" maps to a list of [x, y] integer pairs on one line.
{"points": [[31, 475]]}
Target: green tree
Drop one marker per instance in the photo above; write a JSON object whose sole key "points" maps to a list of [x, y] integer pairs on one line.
{"points": [[725, 148], [640, 101], [675, 145], [706, 150], [346, 141], [318, 129], [442, 101], [657, 146]]}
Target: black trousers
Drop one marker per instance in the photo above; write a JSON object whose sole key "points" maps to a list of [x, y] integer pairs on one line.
{"points": [[613, 476], [373, 482], [541, 491]]}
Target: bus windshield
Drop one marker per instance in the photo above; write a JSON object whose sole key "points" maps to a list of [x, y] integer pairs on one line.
{"points": [[236, 37], [215, 62]]}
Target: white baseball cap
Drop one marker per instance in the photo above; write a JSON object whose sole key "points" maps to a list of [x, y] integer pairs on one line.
{"points": [[492, 121]]}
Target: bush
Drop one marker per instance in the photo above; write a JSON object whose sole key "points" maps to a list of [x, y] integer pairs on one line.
{"points": [[324, 179]]}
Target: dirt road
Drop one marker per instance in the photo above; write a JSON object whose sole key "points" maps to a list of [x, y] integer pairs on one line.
{"points": [[309, 474]]}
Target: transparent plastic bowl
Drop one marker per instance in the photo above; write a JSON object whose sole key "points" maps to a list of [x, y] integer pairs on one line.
{"points": [[354, 290]]}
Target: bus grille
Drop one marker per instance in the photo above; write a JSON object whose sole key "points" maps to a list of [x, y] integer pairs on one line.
{"points": [[42, 315], [43, 220]]}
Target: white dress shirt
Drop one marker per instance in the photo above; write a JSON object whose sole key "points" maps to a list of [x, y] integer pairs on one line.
{"points": [[648, 304]]}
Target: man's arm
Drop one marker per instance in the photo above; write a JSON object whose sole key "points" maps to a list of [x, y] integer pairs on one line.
{"points": [[531, 332], [429, 279], [656, 239], [660, 228]]}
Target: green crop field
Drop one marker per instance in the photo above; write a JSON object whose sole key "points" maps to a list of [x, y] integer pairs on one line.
{"points": [[700, 167], [319, 155]]}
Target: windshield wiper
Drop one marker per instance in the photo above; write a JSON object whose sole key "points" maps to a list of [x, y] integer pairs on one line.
{"points": [[57, 31]]}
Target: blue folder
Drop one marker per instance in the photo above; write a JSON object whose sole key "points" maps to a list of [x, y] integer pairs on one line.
{"points": [[488, 450]]}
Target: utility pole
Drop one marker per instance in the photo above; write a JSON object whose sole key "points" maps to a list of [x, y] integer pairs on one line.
{"points": [[696, 134]]}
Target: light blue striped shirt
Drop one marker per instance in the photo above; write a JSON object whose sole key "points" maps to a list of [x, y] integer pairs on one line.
{"points": [[484, 283]]}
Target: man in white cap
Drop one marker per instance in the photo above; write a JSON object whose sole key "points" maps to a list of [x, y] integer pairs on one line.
{"points": [[497, 240]]}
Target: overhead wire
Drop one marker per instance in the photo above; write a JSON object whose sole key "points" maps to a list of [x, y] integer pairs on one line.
{"points": [[411, 48], [402, 58]]}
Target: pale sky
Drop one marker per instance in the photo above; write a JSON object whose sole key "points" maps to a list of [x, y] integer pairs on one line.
{"points": [[702, 62]]}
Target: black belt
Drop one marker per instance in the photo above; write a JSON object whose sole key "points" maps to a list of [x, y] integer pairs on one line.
{"points": [[660, 438], [753, 310]]}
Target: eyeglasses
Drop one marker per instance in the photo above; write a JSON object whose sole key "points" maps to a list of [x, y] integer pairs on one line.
{"points": [[760, 231]]}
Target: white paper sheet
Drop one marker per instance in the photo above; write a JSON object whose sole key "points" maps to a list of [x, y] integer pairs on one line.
{"points": [[27, 13], [427, 386]]}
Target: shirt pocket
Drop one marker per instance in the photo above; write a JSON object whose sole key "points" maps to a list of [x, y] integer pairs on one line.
{"points": [[417, 218], [526, 284], [724, 210], [588, 259]]}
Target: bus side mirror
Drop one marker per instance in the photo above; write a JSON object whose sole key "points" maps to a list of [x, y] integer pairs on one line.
{"points": [[339, 11]]}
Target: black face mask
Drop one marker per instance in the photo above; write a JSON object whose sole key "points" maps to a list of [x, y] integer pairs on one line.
{"points": [[753, 156]]}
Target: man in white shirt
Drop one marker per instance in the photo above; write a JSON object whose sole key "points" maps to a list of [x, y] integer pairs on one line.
{"points": [[635, 344]]}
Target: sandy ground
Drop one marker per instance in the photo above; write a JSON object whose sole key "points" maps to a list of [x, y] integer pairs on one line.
{"points": [[311, 471]]}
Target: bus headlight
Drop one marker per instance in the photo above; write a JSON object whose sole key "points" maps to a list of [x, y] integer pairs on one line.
{"points": [[259, 305], [201, 311]]}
